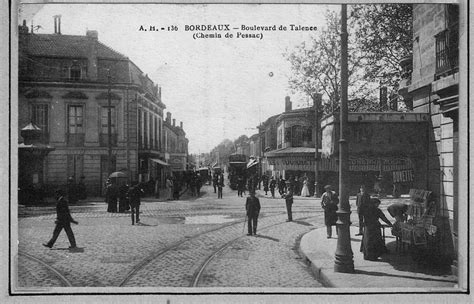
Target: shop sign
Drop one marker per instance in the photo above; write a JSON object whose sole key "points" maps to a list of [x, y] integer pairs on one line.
{"points": [[292, 163], [402, 176], [385, 164]]}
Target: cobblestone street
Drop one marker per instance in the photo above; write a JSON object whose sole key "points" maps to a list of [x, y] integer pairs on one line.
{"points": [[192, 242]]}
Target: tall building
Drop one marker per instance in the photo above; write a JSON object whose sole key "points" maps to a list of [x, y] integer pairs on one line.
{"points": [[431, 85], [67, 86]]}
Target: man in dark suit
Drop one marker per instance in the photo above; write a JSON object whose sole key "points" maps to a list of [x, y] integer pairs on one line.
{"points": [[134, 195], [289, 203], [63, 220], [252, 206]]}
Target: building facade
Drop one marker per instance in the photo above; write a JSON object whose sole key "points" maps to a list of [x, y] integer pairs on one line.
{"points": [[176, 145], [67, 86], [288, 143], [431, 84]]}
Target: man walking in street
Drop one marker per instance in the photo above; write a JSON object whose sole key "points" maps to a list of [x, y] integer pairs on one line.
{"points": [[289, 203], [363, 200], [252, 206], [272, 186], [134, 195], [220, 185], [63, 220]]}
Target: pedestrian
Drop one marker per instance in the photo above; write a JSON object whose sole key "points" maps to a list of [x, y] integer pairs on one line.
{"points": [[169, 188], [198, 184], [372, 245], [240, 186], [214, 181], [111, 195], [265, 184], [252, 206], [220, 185], [122, 198], [281, 186], [81, 188], [176, 188], [305, 190], [289, 203], [134, 195], [329, 201], [63, 221], [363, 200], [71, 190], [157, 188], [398, 211], [272, 186]]}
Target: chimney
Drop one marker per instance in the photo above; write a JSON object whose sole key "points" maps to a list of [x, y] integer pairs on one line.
{"points": [[181, 124], [168, 117], [287, 104], [92, 34], [23, 29], [57, 24], [174, 122], [92, 39]]}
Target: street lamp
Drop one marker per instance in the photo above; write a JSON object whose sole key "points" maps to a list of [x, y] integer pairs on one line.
{"points": [[344, 256]]}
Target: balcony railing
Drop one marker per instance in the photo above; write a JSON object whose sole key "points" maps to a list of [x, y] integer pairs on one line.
{"points": [[447, 56]]}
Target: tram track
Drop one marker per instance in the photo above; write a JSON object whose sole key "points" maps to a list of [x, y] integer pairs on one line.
{"points": [[56, 272], [199, 272], [195, 274]]}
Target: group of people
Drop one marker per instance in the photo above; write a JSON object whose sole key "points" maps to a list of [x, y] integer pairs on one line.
{"points": [[127, 197]]}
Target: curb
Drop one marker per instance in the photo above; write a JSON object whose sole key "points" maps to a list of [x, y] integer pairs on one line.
{"points": [[315, 270]]}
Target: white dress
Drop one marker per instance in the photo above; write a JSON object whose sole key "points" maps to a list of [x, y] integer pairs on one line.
{"points": [[305, 191]]}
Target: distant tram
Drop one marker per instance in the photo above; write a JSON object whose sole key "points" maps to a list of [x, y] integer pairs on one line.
{"points": [[237, 167]]}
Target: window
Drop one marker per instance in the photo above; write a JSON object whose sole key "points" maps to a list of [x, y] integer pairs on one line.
{"points": [[104, 123], [75, 118], [75, 134], [75, 72], [104, 120], [296, 136], [40, 117], [145, 129], [447, 43]]}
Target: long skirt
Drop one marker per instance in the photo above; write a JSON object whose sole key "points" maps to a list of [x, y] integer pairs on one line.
{"points": [[372, 245], [305, 191]]}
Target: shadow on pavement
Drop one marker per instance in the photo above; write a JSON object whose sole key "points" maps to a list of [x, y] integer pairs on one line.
{"points": [[144, 224], [403, 261], [267, 237], [302, 223]]}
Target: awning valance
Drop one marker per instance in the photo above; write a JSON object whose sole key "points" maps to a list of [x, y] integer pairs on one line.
{"points": [[159, 161]]}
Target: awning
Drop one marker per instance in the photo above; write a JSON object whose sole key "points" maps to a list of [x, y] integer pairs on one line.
{"points": [[291, 151], [252, 163], [159, 161]]}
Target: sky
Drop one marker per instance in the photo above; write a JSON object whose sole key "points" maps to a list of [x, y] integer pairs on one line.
{"points": [[219, 88]]}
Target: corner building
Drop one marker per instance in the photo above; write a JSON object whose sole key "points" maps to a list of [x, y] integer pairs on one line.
{"points": [[63, 90]]}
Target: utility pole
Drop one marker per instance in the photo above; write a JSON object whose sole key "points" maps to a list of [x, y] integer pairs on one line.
{"points": [[109, 124], [344, 256]]}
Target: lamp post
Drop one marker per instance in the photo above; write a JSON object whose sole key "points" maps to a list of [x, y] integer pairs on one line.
{"points": [[344, 256]]}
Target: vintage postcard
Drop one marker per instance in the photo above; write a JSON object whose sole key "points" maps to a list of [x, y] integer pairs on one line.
{"points": [[177, 152]]}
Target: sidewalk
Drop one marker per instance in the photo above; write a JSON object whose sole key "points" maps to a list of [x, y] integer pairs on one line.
{"points": [[394, 270]]}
